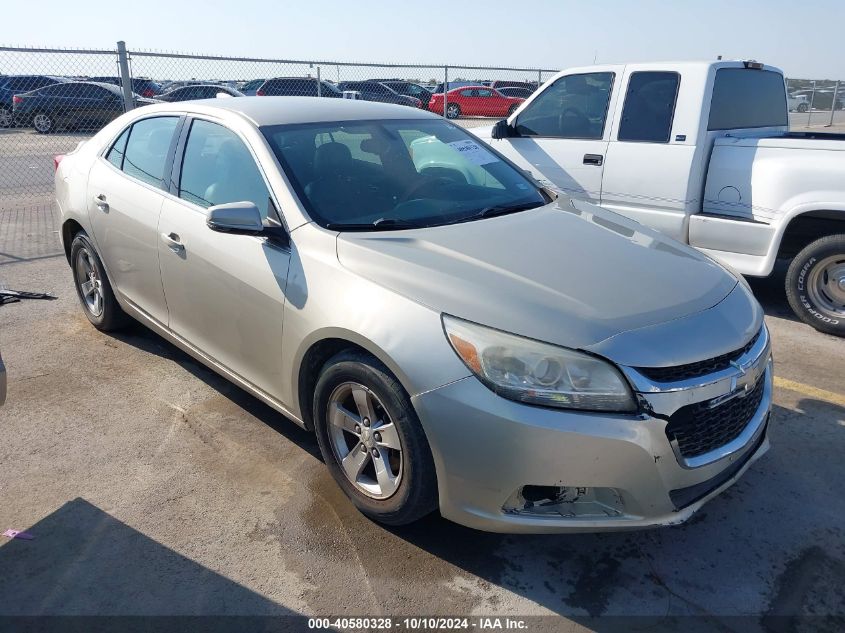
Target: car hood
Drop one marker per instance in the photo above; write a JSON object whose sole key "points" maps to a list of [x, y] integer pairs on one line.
{"points": [[568, 273]]}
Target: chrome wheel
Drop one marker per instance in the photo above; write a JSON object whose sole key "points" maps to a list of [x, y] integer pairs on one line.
{"points": [[42, 123], [5, 117], [364, 440], [452, 111], [826, 285], [89, 282]]}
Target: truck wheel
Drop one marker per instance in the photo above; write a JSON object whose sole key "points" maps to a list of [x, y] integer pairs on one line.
{"points": [[372, 440], [815, 284]]}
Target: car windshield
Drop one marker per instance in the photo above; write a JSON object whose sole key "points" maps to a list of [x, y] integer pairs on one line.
{"points": [[396, 174]]}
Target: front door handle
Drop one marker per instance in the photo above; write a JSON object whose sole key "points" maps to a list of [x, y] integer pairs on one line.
{"points": [[593, 159], [173, 242], [100, 201]]}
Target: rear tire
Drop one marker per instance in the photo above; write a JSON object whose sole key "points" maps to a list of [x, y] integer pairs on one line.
{"points": [[93, 287], [453, 111], [815, 284], [389, 475], [43, 123], [802, 107], [512, 109]]}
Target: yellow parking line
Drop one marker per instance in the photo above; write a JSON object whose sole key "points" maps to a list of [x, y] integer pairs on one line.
{"points": [[807, 390]]}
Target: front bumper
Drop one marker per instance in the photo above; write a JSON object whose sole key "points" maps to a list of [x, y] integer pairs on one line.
{"points": [[486, 448]]}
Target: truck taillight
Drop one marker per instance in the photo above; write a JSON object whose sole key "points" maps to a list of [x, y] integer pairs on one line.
{"points": [[56, 160], [16, 100]]}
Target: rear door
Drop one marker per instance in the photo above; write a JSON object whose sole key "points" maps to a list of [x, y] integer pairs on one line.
{"points": [[125, 193], [562, 134], [225, 292]]}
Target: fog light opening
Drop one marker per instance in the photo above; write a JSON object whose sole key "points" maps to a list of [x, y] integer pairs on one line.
{"points": [[570, 502]]}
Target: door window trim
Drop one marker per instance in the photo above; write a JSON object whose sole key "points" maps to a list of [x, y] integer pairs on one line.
{"points": [[605, 128], [671, 118]]}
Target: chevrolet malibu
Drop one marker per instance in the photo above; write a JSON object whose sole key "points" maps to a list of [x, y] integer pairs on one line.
{"points": [[459, 338]]}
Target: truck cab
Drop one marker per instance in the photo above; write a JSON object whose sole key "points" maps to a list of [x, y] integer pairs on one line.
{"points": [[698, 150]]}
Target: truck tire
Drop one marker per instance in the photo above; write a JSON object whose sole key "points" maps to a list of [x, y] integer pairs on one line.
{"points": [[815, 284]]}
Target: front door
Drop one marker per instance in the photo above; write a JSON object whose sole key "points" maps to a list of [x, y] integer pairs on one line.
{"points": [[225, 292], [125, 194], [562, 135]]}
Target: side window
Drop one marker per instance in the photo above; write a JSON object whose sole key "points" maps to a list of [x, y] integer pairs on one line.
{"points": [[467, 93], [218, 168], [115, 155], [484, 93], [649, 107], [574, 106], [146, 150]]}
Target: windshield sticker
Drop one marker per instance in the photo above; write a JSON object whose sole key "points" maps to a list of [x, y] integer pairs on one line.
{"points": [[473, 152]]}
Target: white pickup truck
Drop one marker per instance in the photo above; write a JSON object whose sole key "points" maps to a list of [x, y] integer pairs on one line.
{"points": [[702, 152]]}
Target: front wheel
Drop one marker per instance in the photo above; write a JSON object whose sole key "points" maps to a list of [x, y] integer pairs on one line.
{"points": [[43, 123], [453, 111], [802, 107], [815, 284], [5, 117], [372, 441]]}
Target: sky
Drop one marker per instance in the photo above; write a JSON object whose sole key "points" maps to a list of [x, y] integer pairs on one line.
{"points": [[806, 40]]}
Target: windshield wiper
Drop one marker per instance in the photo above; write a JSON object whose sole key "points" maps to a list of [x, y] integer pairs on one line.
{"points": [[382, 224], [503, 209]]}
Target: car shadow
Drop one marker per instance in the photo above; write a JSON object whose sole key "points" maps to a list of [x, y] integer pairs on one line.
{"points": [[84, 562], [770, 292], [745, 553]]}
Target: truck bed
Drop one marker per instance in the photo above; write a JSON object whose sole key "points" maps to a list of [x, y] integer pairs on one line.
{"points": [[789, 140]]}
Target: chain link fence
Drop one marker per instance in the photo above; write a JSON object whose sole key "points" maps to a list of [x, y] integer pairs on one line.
{"points": [[51, 99]]}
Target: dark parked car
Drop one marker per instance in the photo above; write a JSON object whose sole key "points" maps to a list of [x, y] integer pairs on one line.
{"points": [[407, 88], [71, 104], [519, 93], [140, 86], [202, 91], [456, 84], [249, 88], [375, 91], [11, 85], [499, 84], [298, 87]]}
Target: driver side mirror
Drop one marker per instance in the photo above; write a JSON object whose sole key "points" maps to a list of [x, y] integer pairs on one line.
{"points": [[501, 129], [240, 218]]}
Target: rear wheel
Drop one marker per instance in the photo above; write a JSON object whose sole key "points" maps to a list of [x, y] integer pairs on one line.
{"points": [[372, 441], [5, 117], [93, 287], [512, 109], [802, 107], [815, 284], [453, 111], [43, 123]]}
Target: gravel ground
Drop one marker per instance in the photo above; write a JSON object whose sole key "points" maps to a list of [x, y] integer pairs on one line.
{"points": [[153, 486]]}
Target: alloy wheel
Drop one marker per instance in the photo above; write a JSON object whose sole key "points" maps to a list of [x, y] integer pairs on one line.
{"points": [[5, 117], [42, 122], [90, 284], [364, 440]]}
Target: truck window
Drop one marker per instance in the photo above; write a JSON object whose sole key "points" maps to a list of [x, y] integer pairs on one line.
{"points": [[649, 107], [746, 98], [574, 106]]}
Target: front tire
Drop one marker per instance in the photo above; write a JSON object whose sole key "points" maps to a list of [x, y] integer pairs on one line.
{"points": [[93, 287], [43, 123], [6, 118], [815, 284], [372, 441], [802, 107]]}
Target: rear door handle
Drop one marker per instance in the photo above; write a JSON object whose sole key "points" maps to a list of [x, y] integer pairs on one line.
{"points": [[101, 203], [593, 159], [173, 242]]}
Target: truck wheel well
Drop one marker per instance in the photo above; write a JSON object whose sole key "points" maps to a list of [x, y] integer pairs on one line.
{"points": [[807, 228], [69, 230], [309, 371]]}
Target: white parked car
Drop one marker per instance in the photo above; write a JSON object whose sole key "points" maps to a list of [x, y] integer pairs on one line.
{"points": [[797, 103], [701, 151]]}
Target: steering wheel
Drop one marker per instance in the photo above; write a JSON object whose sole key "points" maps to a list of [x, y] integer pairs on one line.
{"points": [[428, 181], [582, 119]]}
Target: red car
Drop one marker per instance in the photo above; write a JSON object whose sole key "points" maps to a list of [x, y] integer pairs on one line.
{"points": [[474, 101]]}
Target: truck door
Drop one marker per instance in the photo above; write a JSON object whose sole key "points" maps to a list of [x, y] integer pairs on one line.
{"points": [[561, 135], [650, 173]]}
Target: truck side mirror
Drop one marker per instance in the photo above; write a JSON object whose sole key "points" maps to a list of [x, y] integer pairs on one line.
{"points": [[501, 130]]}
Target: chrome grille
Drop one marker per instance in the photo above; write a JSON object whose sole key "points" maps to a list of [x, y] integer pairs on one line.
{"points": [[701, 427]]}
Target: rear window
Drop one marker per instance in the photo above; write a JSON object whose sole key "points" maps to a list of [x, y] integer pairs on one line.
{"points": [[747, 98]]}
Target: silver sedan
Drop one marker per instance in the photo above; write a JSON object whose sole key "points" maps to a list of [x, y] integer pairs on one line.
{"points": [[457, 337]]}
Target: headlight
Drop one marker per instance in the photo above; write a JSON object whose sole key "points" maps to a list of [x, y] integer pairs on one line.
{"points": [[537, 373]]}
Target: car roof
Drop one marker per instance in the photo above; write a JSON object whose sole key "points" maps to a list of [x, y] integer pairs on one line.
{"points": [[263, 111]]}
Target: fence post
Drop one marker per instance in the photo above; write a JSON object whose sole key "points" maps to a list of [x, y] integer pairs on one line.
{"points": [[810, 107], [833, 103], [445, 88], [125, 79], [539, 78], [319, 83]]}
